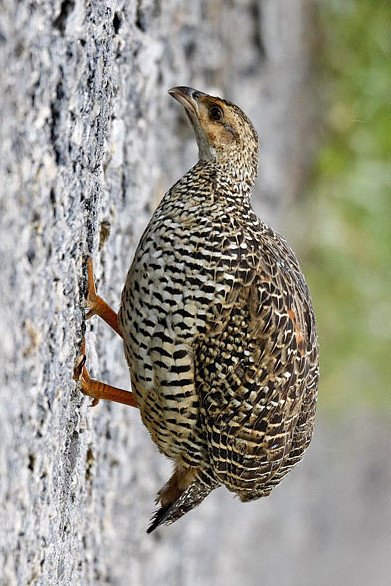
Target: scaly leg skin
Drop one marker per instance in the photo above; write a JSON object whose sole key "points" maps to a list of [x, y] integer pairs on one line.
{"points": [[96, 305], [93, 388], [96, 389]]}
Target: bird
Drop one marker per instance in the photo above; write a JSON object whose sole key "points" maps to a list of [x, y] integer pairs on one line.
{"points": [[218, 326]]}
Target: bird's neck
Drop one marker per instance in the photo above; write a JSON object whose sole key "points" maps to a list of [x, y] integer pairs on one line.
{"points": [[232, 176]]}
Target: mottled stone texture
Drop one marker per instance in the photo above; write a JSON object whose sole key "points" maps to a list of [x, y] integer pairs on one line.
{"points": [[90, 141]]}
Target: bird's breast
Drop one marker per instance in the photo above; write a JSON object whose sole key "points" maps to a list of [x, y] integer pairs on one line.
{"points": [[169, 290]]}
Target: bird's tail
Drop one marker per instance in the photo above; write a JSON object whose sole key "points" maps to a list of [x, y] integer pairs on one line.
{"points": [[177, 500]]}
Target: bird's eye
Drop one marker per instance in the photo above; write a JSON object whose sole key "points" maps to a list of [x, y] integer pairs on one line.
{"points": [[216, 113]]}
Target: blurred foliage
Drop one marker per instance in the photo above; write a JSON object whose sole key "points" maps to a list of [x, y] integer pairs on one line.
{"points": [[348, 263]]}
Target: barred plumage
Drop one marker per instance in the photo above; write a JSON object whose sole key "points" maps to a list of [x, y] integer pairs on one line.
{"points": [[218, 326]]}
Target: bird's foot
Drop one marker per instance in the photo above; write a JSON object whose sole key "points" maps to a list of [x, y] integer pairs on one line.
{"points": [[96, 305], [81, 375], [92, 300], [96, 389]]}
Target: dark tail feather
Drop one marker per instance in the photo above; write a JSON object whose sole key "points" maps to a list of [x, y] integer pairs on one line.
{"points": [[159, 517], [190, 498]]}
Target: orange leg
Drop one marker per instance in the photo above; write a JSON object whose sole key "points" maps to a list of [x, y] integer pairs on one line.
{"points": [[96, 389], [96, 305], [93, 388]]}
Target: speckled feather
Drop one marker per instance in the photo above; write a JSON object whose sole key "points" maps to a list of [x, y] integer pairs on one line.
{"points": [[219, 329]]}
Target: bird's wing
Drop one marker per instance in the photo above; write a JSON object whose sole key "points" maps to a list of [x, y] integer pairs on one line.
{"points": [[252, 371]]}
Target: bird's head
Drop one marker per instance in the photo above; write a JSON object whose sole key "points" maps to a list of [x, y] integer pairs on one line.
{"points": [[224, 133]]}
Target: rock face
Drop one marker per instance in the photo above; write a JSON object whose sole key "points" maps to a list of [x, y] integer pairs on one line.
{"points": [[90, 142]]}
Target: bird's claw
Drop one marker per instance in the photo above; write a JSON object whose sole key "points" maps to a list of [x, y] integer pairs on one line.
{"points": [[91, 296], [81, 375], [78, 370]]}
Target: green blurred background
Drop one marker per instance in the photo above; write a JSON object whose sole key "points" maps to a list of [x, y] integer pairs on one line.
{"points": [[348, 206]]}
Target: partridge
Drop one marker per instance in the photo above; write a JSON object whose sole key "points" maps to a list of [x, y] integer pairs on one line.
{"points": [[218, 326]]}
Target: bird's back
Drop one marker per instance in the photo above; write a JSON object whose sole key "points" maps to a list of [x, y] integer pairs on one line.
{"points": [[257, 371]]}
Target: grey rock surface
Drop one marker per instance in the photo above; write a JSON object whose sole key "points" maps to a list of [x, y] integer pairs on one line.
{"points": [[89, 143]]}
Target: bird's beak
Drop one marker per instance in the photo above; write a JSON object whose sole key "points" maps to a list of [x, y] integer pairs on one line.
{"points": [[188, 97]]}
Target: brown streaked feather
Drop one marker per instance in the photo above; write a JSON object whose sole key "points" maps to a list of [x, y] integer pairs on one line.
{"points": [[219, 329], [252, 424]]}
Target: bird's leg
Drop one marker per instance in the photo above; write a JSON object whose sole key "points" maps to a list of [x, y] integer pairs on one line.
{"points": [[93, 388], [96, 305], [96, 389]]}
